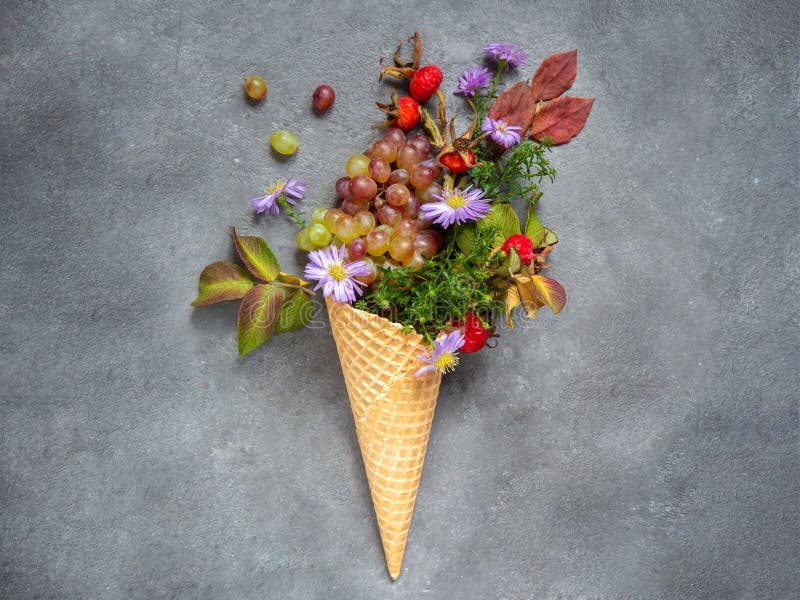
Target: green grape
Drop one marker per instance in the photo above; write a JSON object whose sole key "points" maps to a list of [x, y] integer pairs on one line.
{"points": [[318, 216], [284, 142], [319, 235], [255, 87], [302, 240], [357, 164]]}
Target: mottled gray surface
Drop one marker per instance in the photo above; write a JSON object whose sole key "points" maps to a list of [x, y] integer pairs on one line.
{"points": [[642, 444]]}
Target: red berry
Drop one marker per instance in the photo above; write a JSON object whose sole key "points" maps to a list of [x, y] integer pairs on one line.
{"points": [[475, 334], [455, 163], [407, 113], [425, 82], [522, 244]]}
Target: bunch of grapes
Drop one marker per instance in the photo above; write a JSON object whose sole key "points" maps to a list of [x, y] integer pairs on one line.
{"points": [[379, 218]]}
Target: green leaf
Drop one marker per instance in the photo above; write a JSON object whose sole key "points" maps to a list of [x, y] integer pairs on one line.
{"points": [[501, 216], [505, 218], [465, 237], [258, 316], [550, 237], [296, 312], [222, 281], [256, 256], [513, 261], [540, 235], [533, 228]]}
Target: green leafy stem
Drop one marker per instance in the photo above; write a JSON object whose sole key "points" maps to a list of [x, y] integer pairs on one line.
{"points": [[273, 302]]}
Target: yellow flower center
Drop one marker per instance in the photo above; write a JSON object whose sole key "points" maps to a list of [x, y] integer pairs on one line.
{"points": [[446, 362], [502, 127], [456, 201], [337, 272], [275, 187]]}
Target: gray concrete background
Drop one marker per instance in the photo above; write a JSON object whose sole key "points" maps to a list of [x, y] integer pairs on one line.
{"points": [[642, 444]]}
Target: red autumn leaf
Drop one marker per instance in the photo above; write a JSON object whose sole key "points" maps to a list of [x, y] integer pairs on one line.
{"points": [[560, 119], [555, 75], [515, 106]]}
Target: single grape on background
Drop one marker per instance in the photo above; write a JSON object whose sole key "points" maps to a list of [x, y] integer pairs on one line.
{"points": [[357, 164], [284, 142], [255, 87], [319, 234], [323, 97]]}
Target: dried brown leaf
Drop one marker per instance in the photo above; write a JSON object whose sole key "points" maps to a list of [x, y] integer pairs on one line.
{"points": [[560, 119], [515, 106], [555, 75]]}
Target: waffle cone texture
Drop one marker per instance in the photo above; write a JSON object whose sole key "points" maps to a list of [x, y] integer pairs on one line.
{"points": [[393, 412]]}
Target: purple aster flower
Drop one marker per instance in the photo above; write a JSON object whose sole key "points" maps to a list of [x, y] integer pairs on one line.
{"points": [[472, 80], [512, 55], [501, 132], [456, 206], [334, 275], [291, 190], [444, 357]]}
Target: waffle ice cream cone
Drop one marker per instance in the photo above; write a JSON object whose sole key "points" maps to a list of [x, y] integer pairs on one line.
{"points": [[393, 412]]}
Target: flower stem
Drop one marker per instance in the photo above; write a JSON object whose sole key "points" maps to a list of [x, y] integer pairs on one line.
{"points": [[482, 105], [297, 218], [294, 286]]}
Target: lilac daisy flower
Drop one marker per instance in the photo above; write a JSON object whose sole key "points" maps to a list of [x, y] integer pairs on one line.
{"points": [[472, 80], [444, 357], [512, 55], [327, 267], [501, 132], [456, 206], [291, 190]]}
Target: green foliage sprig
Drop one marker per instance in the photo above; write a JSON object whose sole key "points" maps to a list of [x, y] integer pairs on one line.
{"points": [[515, 174], [443, 290], [273, 302]]}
